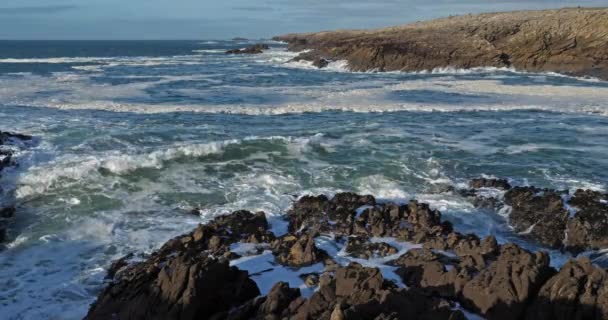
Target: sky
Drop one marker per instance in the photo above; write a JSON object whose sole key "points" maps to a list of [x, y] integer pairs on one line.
{"points": [[224, 19]]}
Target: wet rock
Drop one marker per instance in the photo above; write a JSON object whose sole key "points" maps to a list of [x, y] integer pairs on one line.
{"points": [[320, 63], [118, 265], [502, 290], [297, 250], [182, 286], [588, 228], [278, 299], [479, 183], [311, 280], [538, 213], [433, 272], [324, 215], [6, 137], [7, 212], [414, 222], [578, 291], [363, 248], [254, 49], [356, 292]]}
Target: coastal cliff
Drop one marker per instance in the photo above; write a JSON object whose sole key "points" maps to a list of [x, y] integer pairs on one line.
{"points": [[571, 41]]}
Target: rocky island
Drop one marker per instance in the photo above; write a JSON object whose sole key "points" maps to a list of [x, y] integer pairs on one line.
{"points": [[571, 41]]}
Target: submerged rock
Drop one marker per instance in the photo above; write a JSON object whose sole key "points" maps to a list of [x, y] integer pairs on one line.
{"points": [[254, 49]]}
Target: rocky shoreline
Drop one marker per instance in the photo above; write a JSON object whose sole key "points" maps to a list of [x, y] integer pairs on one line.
{"points": [[443, 275], [572, 41], [8, 141]]}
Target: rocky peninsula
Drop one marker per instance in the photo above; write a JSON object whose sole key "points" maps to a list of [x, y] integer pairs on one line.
{"points": [[572, 41], [443, 275]]}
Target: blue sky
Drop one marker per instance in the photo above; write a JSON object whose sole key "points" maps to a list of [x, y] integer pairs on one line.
{"points": [[220, 19]]}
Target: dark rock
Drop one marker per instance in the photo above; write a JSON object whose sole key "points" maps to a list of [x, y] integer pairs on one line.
{"points": [[320, 63], [538, 213], [184, 286], [356, 292], [414, 222], [578, 291], [507, 285], [363, 248], [319, 213], [7, 212], [118, 265], [297, 251], [254, 49], [588, 228], [479, 183], [5, 137]]}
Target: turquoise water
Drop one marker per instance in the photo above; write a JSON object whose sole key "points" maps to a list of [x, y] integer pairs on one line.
{"points": [[131, 136]]}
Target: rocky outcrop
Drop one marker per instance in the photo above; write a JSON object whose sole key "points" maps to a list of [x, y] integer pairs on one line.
{"points": [[554, 218], [254, 49], [184, 279], [363, 248], [7, 142], [557, 219], [571, 41], [190, 277], [479, 183], [539, 213], [186, 286], [578, 291], [588, 228]]}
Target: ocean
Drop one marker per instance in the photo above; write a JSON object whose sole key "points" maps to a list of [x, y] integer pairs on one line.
{"points": [[132, 136]]}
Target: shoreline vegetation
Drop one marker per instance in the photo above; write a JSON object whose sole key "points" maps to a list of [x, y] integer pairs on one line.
{"points": [[570, 41]]}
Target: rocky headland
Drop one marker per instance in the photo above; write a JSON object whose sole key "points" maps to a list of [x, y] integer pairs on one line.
{"points": [[571, 41], [443, 275]]}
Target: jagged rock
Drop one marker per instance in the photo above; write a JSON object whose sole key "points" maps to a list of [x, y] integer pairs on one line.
{"points": [[319, 213], [297, 251], [415, 222], [479, 183], [184, 286], [502, 290], [588, 228], [570, 41], [538, 213], [579, 291], [254, 49], [356, 292], [118, 265], [363, 248]]}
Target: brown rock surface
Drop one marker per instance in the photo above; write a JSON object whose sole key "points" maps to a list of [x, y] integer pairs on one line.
{"points": [[571, 41]]}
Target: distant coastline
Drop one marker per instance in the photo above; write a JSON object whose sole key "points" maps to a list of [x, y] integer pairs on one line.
{"points": [[571, 41]]}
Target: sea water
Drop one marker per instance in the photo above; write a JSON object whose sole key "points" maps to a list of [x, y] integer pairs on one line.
{"points": [[132, 136]]}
